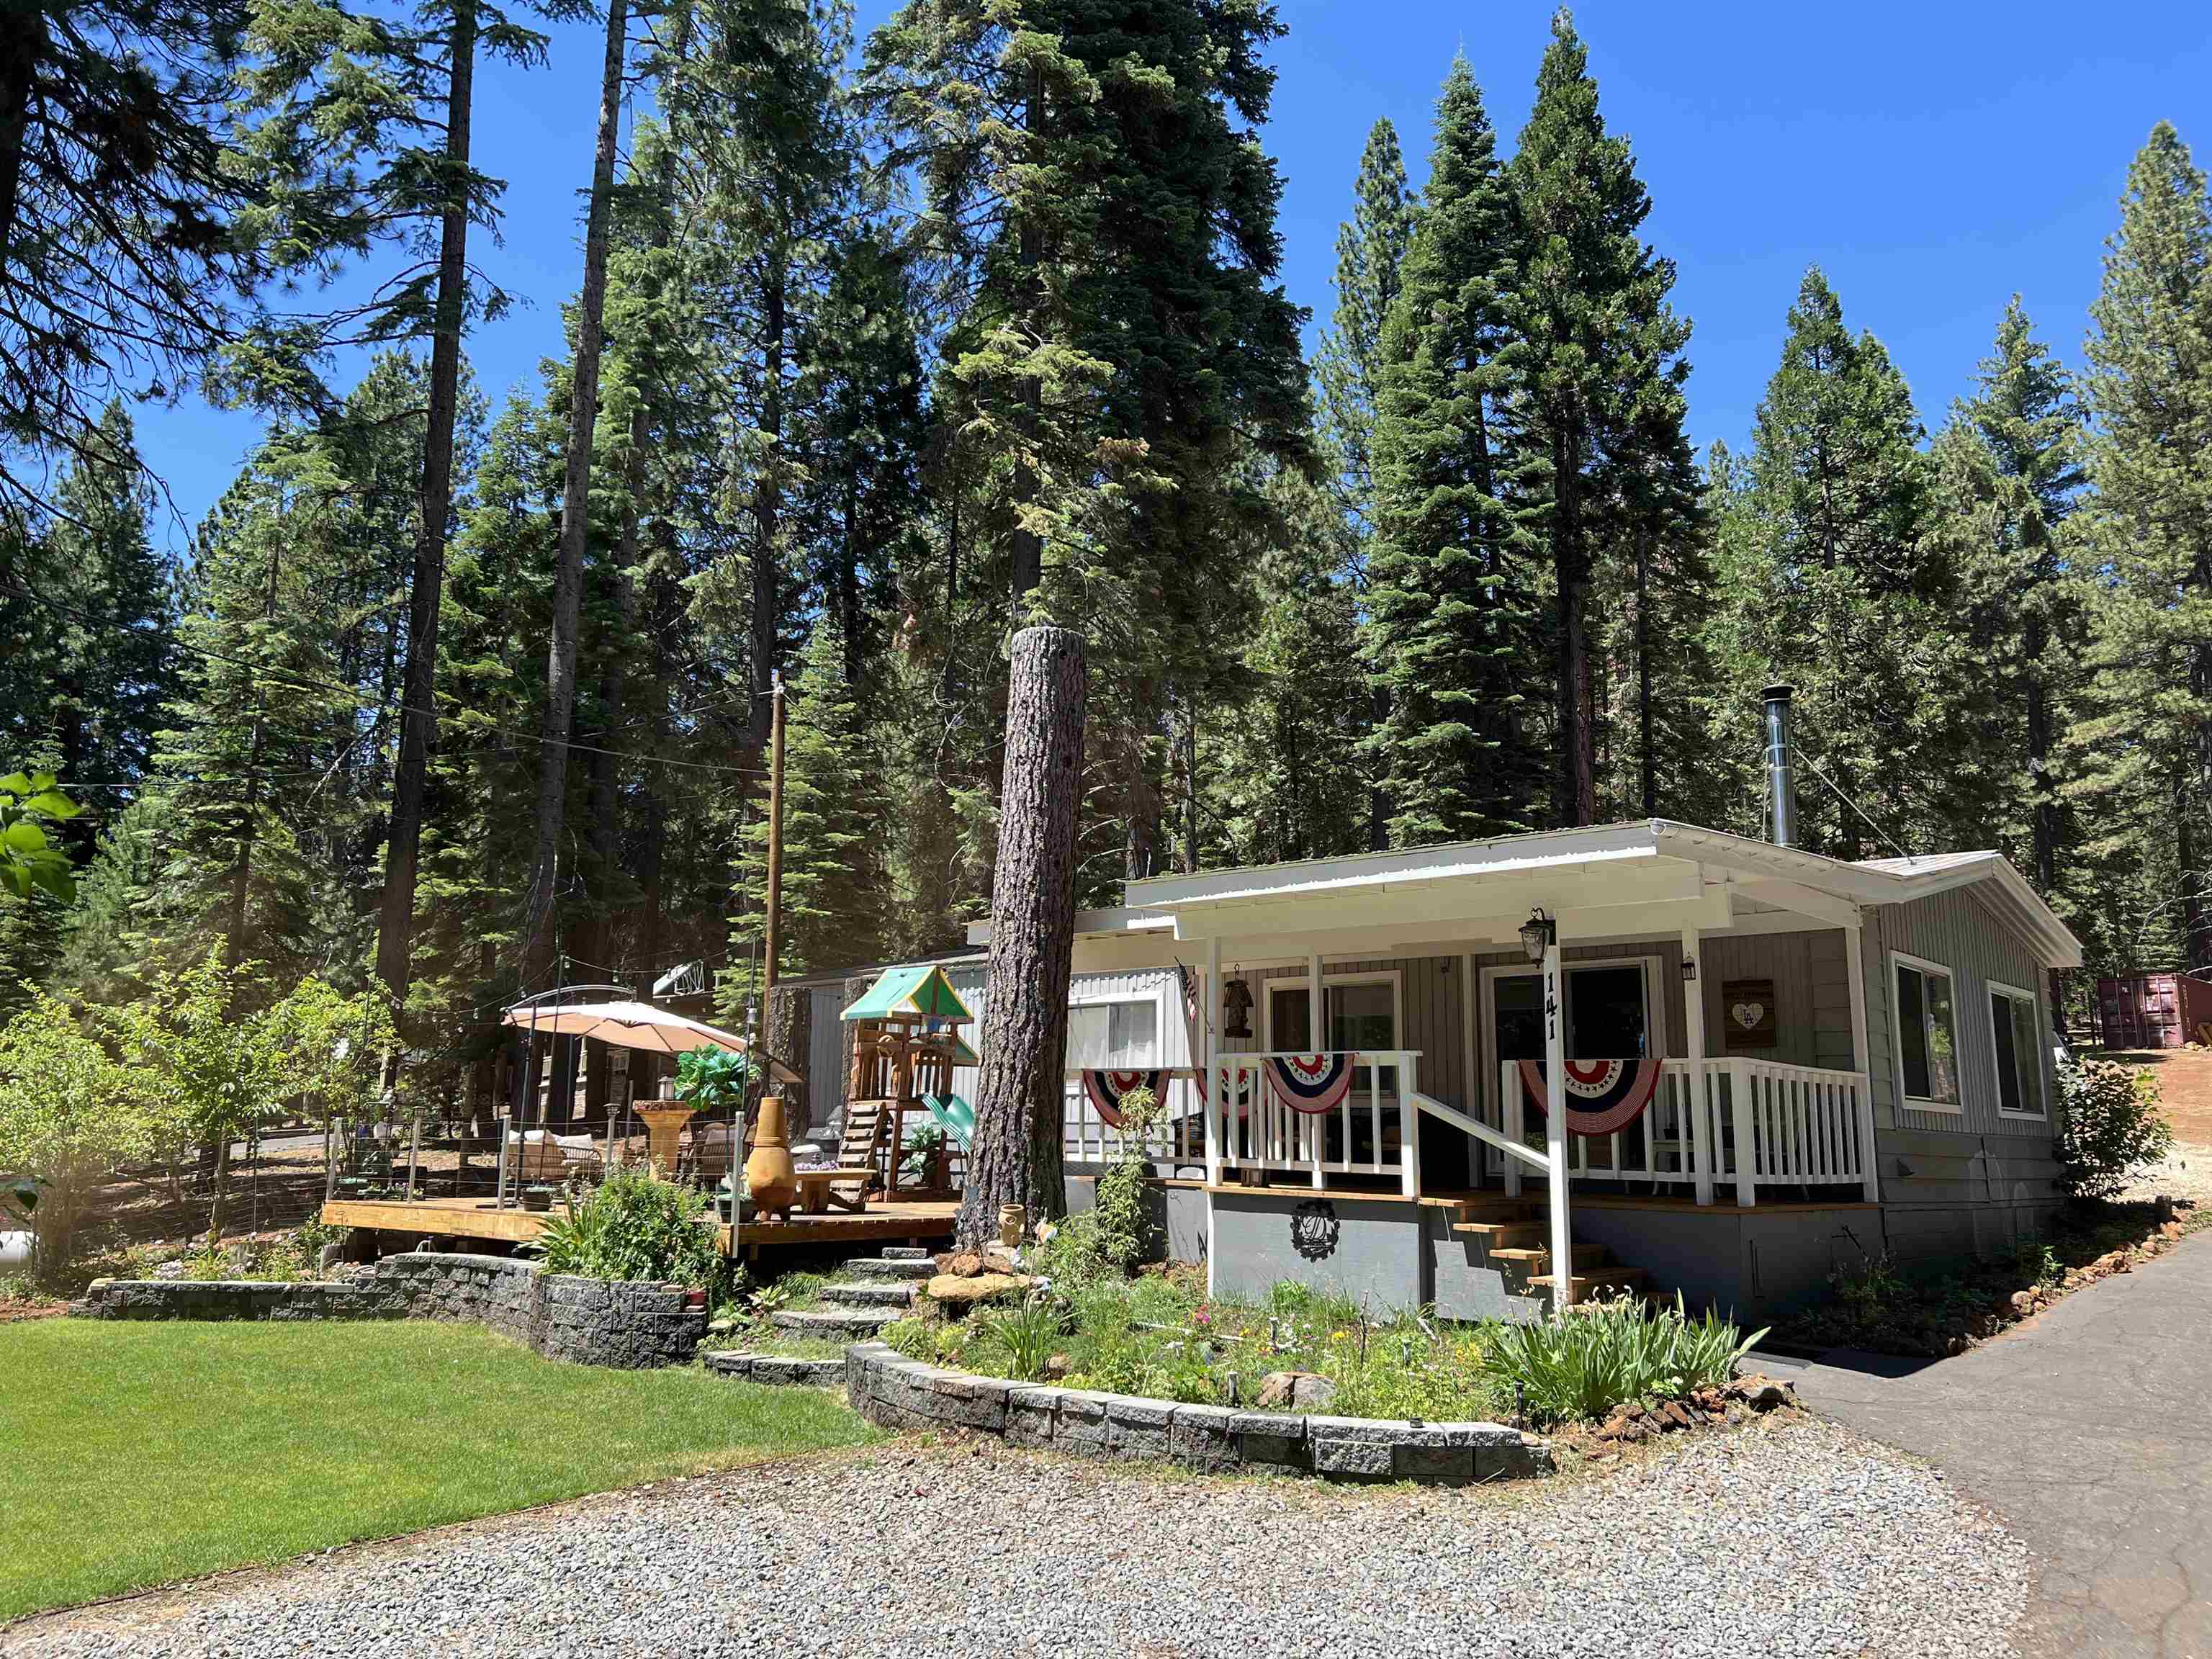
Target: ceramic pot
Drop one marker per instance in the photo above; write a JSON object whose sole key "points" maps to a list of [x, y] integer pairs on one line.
{"points": [[770, 1174]]}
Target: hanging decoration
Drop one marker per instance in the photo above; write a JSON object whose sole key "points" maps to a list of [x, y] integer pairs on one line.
{"points": [[1106, 1090], [1603, 1096], [1312, 1083], [1236, 1008]]}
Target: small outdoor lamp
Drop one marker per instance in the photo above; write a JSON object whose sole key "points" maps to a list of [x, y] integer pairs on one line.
{"points": [[1538, 934], [1689, 971]]}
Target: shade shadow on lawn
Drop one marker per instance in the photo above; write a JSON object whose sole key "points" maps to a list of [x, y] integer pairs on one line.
{"points": [[139, 1454]]}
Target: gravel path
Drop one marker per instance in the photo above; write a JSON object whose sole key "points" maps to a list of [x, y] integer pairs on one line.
{"points": [[1787, 1538]]}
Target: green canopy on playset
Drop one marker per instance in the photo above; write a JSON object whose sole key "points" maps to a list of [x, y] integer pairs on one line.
{"points": [[921, 992]]}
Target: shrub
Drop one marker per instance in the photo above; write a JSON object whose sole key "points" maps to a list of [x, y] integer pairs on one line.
{"points": [[2112, 1126], [1027, 1336], [635, 1226], [1123, 1230], [1583, 1364]]}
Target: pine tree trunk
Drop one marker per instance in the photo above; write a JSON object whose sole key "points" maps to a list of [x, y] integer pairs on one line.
{"points": [[1016, 1158], [576, 516], [1646, 758], [395, 933], [23, 44], [1575, 795], [790, 1039], [1027, 548]]}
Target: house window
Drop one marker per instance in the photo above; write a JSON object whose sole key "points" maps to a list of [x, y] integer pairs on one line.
{"points": [[2015, 1031], [1927, 1034], [1122, 1035], [1363, 1014]]}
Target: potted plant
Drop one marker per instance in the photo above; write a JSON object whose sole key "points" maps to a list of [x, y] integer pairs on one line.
{"points": [[925, 1157], [537, 1196], [712, 1079]]}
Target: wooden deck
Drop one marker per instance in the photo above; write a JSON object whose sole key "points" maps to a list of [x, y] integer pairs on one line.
{"points": [[881, 1222]]}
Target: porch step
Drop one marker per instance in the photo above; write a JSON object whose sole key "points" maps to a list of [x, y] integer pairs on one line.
{"points": [[890, 1266], [832, 1323], [898, 1294], [1501, 1235], [1499, 1208], [1535, 1261]]}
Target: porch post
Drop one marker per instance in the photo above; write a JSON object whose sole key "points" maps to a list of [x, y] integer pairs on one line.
{"points": [[1693, 1036], [1555, 1132], [1317, 1040], [1210, 1091], [1862, 1061]]}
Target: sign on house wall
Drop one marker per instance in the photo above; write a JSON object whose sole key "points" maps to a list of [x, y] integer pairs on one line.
{"points": [[1748, 1015]]}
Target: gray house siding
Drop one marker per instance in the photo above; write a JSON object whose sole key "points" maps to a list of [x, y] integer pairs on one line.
{"points": [[1812, 994], [1976, 1180]]}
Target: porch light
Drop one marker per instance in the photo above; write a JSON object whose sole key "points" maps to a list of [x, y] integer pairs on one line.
{"points": [[1689, 971], [1538, 934]]}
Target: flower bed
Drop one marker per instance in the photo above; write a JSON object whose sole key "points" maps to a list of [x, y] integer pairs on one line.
{"points": [[1159, 1336]]}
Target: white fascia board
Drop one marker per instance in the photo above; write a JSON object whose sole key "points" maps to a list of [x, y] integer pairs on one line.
{"points": [[1105, 924], [1550, 851]]}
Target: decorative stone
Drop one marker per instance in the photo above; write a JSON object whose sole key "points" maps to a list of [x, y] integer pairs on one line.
{"points": [[1352, 1448], [959, 1292], [1136, 1429], [1270, 1438], [1200, 1436], [1295, 1391]]}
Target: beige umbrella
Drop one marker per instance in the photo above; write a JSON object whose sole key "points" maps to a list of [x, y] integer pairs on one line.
{"points": [[634, 1025]]}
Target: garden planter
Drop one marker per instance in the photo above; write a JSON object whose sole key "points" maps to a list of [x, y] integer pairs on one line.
{"points": [[769, 1171], [538, 1198]]}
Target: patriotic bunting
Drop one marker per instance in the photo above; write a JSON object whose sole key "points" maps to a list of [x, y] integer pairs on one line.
{"points": [[1312, 1083], [1107, 1088], [1603, 1096]]}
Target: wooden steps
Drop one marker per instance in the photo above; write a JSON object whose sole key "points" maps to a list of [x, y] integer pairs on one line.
{"points": [[1536, 1260], [1515, 1234]]}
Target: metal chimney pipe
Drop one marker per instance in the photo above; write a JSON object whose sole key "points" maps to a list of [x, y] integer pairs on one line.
{"points": [[1781, 780]]}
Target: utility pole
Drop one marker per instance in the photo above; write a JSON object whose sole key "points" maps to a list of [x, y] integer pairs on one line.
{"points": [[774, 898]]}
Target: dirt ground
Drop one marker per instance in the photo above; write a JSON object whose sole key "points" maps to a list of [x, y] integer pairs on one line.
{"points": [[2184, 1085]]}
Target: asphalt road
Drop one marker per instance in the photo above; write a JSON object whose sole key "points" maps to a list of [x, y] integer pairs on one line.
{"points": [[2088, 1430]]}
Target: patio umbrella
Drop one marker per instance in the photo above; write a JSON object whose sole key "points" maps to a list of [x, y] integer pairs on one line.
{"points": [[634, 1025]]}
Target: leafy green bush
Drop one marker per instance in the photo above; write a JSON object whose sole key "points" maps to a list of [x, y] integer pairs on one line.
{"points": [[2111, 1126], [1122, 1230], [1583, 1364], [713, 1079], [635, 1226]]}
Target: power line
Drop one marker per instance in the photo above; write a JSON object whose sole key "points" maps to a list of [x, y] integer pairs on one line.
{"points": [[262, 676]]}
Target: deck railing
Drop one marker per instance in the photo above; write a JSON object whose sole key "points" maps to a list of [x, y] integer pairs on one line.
{"points": [[1763, 1123]]}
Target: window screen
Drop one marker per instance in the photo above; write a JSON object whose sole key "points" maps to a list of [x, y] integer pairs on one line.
{"points": [[2014, 1026], [1927, 1034]]}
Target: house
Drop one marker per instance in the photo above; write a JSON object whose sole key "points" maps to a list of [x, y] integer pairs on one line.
{"points": [[1751, 1064]]}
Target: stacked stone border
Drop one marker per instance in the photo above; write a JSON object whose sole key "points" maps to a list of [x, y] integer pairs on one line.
{"points": [[887, 1388], [593, 1321]]}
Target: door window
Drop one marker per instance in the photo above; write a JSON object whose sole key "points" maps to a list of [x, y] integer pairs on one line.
{"points": [[1608, 1017]]}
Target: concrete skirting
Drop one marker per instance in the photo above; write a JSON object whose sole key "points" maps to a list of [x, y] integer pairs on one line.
{"points": [[890, 1390], [592, 1322]]}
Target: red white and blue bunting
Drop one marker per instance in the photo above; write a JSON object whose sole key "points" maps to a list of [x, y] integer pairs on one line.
{"points": [[1603, 1096], [1312, 1083], [1106, 1090], [1236, 1087]]}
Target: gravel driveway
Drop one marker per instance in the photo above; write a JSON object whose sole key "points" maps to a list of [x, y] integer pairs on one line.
{"points": [[1789, 1537]]}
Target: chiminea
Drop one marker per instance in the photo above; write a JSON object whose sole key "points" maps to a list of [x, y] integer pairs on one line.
{"points": [[1781, 782]]}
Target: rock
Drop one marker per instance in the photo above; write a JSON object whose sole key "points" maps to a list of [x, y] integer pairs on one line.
{"points": [[1761, 1394], [1057, 1367], [1677, 1415], [960, 1264], [955, 1291], [1294, 1391], [2170, 1230], [2023, 1302], [2115, 1261], [1000, 1262]]}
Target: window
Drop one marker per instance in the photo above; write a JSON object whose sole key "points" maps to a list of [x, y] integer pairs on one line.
{"points": [[1362, 1014], [1121, 1035], [2016, 1032], [1927, 1034]]}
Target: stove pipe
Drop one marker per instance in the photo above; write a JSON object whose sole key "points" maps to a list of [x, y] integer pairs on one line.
{"points": [[1781, 781]]}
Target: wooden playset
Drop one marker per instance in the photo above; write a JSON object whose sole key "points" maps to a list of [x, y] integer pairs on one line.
{"points": [[906, 1046]]}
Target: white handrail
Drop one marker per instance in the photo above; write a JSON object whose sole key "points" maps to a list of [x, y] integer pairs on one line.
{"points": [[1482, 1131]]}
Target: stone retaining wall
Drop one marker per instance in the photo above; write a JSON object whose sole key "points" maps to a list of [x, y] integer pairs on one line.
{"points": [[888, 1388], [630, 1326]]}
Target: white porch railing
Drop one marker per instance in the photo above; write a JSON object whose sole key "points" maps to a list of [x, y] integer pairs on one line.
{"points": [[1177, 1138], [1763, 1123], [1368, 1132]]}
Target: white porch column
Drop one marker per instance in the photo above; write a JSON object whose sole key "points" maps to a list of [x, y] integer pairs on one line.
{"points": [[1316, 1038], [1862, 1060], [1555, 1131], [1693, 1036], [1210, 1091]]}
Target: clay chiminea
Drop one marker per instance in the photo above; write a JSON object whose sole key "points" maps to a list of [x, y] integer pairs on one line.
{"points": [[769, 1170]]}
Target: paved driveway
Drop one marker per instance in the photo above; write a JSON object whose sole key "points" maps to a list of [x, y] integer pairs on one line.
{"points": [[2089, 1431]]}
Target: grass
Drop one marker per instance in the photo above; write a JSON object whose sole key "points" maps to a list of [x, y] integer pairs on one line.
{"points": [[141, 1454]]}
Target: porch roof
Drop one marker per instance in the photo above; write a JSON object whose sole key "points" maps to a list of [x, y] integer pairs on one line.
{"points": [[1606, 881]]}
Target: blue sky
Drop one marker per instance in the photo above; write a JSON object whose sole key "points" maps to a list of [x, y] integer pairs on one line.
{"points": [[1933, 157]]}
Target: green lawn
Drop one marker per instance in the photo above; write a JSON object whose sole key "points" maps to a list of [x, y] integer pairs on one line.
{"points": [[137, 1454]]}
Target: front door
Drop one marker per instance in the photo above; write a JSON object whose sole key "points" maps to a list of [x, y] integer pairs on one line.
{"points": [[1608, 1017]]}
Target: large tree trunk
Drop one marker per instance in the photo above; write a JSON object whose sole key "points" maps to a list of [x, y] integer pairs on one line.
{"points": [[395, 933], [1016, 1158], [576, 516], [23, 44], [1576, 796], [790, 1039], [1647, 760], [1026, 546]]}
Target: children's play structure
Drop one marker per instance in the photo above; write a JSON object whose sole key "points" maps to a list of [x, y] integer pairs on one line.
{"points": [[906, 1045]]}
